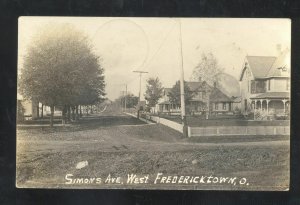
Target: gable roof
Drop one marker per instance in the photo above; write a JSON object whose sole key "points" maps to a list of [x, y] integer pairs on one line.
{"points": [[268, 66], [218, 96], [260, 65], [193, 85], [196, 85], [282, 61]]}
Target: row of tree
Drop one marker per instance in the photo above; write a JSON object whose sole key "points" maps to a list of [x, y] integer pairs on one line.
{"points": [[61, 70]]}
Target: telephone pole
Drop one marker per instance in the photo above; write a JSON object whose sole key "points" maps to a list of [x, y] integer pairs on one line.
{"points": [[140, 73], [182, 95], [125, 97]]}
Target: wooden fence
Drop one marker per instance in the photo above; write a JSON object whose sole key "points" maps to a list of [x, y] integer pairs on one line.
{"points": [[222, 130], [238, 130]]}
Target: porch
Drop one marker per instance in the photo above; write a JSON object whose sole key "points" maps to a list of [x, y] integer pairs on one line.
{"points": [[268, 109]]}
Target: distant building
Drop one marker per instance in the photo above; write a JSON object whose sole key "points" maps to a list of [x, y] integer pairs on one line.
{"points": [[203, 95], [164, 105], [34, 109], [265, 84]]}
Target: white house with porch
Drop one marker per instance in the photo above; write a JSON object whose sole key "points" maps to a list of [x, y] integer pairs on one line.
{"points": [[165, 106], [265, 85]]}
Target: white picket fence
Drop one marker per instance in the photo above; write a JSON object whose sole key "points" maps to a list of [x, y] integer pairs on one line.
{"points": [[222, 130], [238, 130]]}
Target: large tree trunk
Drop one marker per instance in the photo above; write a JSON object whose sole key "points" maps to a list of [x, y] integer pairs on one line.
{"points": [[87, 110], [51, 115], [38, 111], [91, 109], [69, 113], [76, 113], [73, 113], [64, 112], [42, 112]]}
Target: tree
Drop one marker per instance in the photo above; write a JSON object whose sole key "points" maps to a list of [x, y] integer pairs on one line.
{"points": [[131, 100], [174, 94], [207, 69], [61, 69], [20, 111], [154, 91]]}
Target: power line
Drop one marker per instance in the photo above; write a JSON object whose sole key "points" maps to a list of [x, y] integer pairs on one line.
{"points": [[160, 46]]}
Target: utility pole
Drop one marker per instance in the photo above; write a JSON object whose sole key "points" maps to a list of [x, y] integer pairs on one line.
{"points": [[125, 97], [182, 100], [140, 73], [139, 104]]}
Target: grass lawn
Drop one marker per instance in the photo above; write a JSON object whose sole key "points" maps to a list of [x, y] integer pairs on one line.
{"points": [[45, 156]]}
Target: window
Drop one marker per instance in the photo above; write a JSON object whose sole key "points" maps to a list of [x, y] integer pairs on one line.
{"points": [[216, 106], [258, 86], [224, 106], [199, 95], [269, 84]]}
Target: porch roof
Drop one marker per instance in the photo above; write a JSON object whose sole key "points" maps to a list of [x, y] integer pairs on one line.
{"points": [[218, 96], [272, 95]]}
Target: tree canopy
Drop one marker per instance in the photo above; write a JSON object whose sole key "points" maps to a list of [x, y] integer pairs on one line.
{"points": [[207, 69], [154, 91], [61, 69], [131, 100]]}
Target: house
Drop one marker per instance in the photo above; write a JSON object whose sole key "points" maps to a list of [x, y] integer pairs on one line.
{"points": [[164, 105], [32, 109], [265, 84], [220, 102], [202, 95]]}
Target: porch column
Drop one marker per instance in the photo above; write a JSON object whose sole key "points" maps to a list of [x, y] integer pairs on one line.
{"points": [[255, 104], [268, 106], [284, 101], [261, 104]]}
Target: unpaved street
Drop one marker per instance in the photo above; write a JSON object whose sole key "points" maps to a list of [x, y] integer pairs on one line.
{"points": [[120, 145]]}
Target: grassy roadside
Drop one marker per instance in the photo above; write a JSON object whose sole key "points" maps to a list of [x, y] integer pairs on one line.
{"points": [[252, 163], [125, 146]]}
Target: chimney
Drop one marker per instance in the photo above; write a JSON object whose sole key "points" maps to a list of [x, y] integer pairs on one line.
{"points": [[278, 48]]}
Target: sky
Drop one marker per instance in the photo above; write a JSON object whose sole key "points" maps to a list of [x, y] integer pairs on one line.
{"points": [[153, 45]]}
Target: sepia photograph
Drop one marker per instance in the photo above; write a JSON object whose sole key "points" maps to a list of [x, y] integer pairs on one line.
{"points": [[153, 103]]}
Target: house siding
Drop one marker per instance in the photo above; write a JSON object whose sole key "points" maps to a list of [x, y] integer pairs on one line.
{"points": [[279, 85], [246, 88]]}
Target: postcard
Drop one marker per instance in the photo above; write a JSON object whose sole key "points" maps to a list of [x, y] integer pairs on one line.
{"points": [[153, 103]]}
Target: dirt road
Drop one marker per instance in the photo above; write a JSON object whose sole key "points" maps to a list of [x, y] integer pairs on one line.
{"points": [[120, 145]]}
